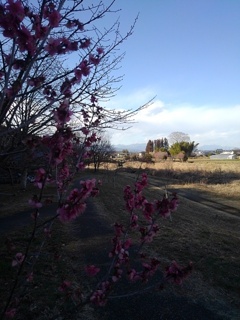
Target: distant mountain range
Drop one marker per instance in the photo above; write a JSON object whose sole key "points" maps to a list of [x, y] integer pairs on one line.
{"points": [[139, 147], [213, 147], [136, 147]]}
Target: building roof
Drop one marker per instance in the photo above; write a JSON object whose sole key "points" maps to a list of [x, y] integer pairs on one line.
{"points": [[223, 156]]}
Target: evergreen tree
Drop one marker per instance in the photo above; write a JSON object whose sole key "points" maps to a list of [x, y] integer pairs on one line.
{"points": [[149, 147], [157, 145], [183, 147], [165, 143]]}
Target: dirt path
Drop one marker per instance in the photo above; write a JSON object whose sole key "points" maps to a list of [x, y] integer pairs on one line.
{"points": [[166, 304], [199, 196], [169, 304]]}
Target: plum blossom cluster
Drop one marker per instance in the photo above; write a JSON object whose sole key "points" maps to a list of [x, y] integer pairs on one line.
{"points": [[176, 273], [32, 35], [143, 223], [135, 200], [15, 21], [18, 259], [60, 155], [59, 148], [143, 214], [60, 145], [75, 204], [99, 297], [81, 70], [63, 114]]}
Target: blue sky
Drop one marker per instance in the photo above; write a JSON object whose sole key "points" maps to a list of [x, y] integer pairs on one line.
{"points": [[187, 54]]}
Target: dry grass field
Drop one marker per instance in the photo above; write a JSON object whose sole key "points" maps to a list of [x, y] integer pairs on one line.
{"points": [[205, 229]]}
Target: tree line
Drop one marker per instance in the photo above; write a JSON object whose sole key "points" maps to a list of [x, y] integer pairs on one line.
{"points": [[157, 145], [178, 145]]}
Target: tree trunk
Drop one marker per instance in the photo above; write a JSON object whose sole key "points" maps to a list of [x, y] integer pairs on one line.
{"points": [[23, 181]]}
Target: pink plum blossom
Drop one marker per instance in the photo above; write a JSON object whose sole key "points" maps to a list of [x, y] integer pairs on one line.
{"points": [[176, 273], [127, 244], [52, 46], [133, 275], [85, 68], [134, 221], [40, 178], [78, 75], [74, 23], [30, 277], [148, 210], [100, 50], [52, 14], [65, 285], [85, 43], [139, 185], [81, 166], [63, 114], [99, 297], [91, 270], [36, 82], [54, 18], [18, 259], [93, 99], [34, 202], [40, 30], [85, 131], [117, 273], [16, 10], [66, 88], [95, 60], [68, 212], [26, 41]]}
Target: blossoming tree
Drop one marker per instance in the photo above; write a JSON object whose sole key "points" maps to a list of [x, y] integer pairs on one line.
{"points": [[31, 38], [55, 50]]}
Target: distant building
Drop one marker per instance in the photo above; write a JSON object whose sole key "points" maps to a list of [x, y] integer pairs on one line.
{"points": [[197, 153], [225, 155]]}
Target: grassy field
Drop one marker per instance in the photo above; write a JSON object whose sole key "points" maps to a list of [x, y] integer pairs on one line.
{"points": [[199, 231], [206, 227], [205, 230]]}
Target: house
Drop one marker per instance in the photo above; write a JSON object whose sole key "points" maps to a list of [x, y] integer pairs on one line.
{"points": [[225, 155]]}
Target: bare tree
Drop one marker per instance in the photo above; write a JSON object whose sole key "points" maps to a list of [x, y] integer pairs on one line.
{"points": [[178, 137], [55, 50], [100, 152], [67, 31]]}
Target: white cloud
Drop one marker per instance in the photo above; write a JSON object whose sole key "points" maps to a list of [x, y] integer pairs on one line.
{"points": [[132, 101], [204, 124]]}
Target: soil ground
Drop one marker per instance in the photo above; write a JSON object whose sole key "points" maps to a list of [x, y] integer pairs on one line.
{"points": [[173, 303], [205, 229]]}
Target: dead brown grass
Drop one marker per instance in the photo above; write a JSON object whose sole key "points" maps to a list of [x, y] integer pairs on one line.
{"points": [[205, 230], [217, 178]]}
